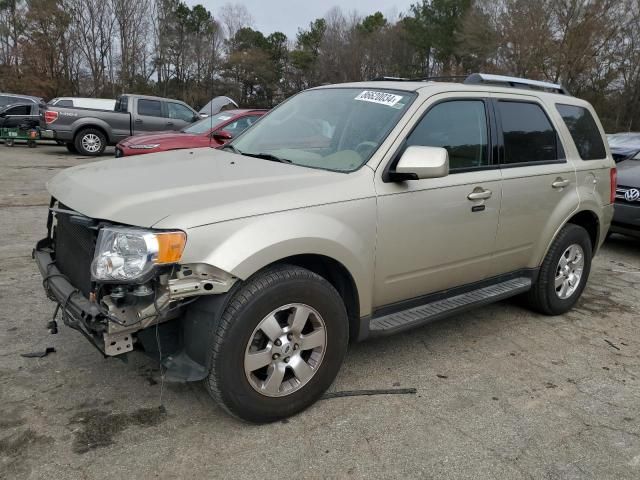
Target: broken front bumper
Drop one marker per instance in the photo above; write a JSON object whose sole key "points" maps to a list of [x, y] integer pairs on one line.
{"points": [[77, 311]]}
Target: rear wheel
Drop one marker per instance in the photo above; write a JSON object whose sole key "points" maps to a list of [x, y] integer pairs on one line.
{"points": [[564, 272], [278, 346], [90, 142]]}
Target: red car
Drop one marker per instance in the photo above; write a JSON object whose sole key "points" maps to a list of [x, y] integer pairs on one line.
{"points": [[209, 132]]}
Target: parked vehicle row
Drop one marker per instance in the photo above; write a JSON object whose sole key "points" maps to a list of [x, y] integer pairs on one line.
{"points": [[89, 131], [209, 132], [350, 211]]}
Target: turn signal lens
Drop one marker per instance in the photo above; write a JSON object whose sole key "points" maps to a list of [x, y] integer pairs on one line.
{"points": [[170, 246], [613, 175]]}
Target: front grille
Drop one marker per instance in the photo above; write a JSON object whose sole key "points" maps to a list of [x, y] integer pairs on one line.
{"points": [[74, 248], [628, 195]]}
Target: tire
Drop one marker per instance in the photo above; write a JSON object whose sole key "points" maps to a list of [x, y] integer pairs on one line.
{"points": [[71, 147], [90, 142], [544, 296], [230, 381]]}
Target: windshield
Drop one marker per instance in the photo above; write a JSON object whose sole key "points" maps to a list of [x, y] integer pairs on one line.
{"points": [[206, 124], [330, 128]]}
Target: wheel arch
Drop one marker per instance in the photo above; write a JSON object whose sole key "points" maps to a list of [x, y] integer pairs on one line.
{"points": [[105, 129], [590, 221], [338, 276], [585, 218]]}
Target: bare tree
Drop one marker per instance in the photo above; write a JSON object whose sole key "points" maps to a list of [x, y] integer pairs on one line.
{"points": [[92, 34], [133, 27], [233, 17]]}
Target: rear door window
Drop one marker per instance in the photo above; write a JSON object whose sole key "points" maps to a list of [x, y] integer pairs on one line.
{"points": [[19, 110], [528, 134], [584, 131], [149, 108]]}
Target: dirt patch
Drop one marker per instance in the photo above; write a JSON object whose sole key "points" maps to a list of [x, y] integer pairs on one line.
{"points": [[99, 427], [14, 449], [601, 303], [11, 422]]}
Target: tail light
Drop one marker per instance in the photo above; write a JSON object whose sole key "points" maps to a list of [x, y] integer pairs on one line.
{"points": [[50, 116], [613, 175]]}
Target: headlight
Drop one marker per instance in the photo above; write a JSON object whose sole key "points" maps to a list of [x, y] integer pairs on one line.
{"points": [[147, 146], [129, 254]]}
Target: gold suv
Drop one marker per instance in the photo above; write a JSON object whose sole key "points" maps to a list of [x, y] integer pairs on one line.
{"points": [[349, 211]]}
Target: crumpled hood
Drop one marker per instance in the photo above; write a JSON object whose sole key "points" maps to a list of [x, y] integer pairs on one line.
{"points": [[188, 188], [629, 173], [154, 138]]}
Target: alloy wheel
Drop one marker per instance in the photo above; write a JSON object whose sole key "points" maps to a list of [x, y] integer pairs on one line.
{"points": [[569, 271], [285, 350]]}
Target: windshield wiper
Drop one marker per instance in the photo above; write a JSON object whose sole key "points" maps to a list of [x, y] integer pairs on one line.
{"points": [[267, 156]]}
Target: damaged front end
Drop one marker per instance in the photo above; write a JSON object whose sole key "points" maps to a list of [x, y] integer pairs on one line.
{"points": [[113, 282]]}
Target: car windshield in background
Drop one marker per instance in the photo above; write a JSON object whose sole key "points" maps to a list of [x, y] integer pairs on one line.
{"points": [[206, 124], [330, 128]]}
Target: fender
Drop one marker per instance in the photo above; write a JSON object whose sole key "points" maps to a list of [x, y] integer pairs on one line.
{"points": [[90, 122], [344, 232]]}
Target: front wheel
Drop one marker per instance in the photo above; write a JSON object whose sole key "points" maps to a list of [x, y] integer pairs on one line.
{"points": [[90, 142], [564, 272], [278, 346]]}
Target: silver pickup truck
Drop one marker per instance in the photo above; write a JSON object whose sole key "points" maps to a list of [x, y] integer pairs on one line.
{"points": [[88, 131]]}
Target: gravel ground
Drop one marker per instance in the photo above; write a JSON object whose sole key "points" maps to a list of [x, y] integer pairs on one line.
{"points": [[502, 393]]}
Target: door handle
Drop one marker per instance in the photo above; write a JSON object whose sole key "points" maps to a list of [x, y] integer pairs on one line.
{"points": [[560, 183], [170, 124], [138, 120], [480, 194]]}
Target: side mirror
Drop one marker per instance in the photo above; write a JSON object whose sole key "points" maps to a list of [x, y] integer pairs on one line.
{"points": [[221, 136], [418, 162]]}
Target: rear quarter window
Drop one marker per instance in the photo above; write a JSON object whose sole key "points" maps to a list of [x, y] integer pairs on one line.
{"points": [[584, 131], [528, 133]]}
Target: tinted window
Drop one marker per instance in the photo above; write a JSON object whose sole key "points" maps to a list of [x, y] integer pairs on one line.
{"points": [[122, 104], [64, 103], [4, 101], [19, 110], [150, 108], [460, 126], [179, 112], [528, 133], [584, 131]]}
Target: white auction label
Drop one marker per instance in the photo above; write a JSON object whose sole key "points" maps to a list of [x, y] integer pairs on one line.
{"points": [[382, 98]]}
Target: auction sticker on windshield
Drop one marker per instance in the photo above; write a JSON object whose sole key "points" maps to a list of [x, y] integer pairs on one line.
{"points": [[382, 98]]}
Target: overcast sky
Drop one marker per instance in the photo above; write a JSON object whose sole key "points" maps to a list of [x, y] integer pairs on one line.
{"points": [[288, 15]]}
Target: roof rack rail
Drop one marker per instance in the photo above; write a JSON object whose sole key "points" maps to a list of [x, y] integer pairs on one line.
{"points": [[390, 79], [515, 82], [443, 78]]}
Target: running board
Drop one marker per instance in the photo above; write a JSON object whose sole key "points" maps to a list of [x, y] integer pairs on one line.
{"points": [[436, 310]]}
